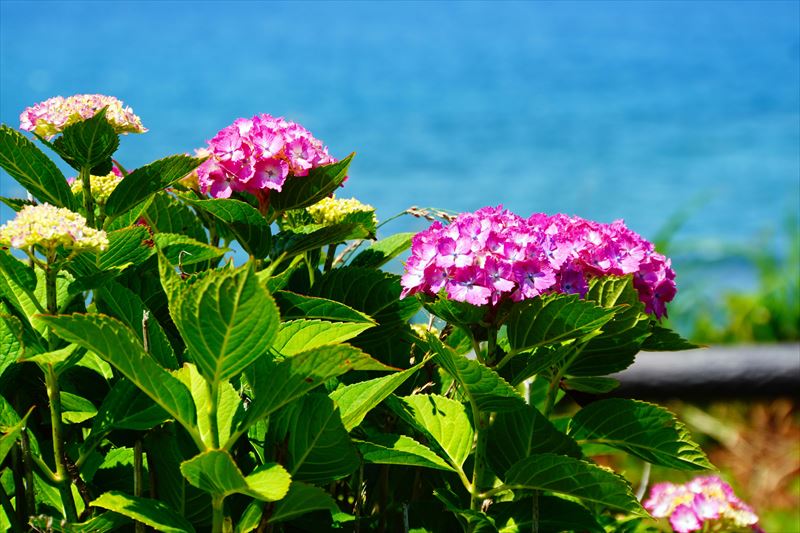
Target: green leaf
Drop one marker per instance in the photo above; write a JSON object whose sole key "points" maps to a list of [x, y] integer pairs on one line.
{"points": [[441, 420], [356, 400], [227, 404], [665, 340], [182, 250], [456, 313], [303, 191], [116, 344], [278, 384], [33, 170], [302, 499], [377, 294], [641, 429], [61, 359], [556, 515], [616, 348], [249, 227], [576, 478], [102, 523], [11, 433], [165, 214], [482, 385], [16, 204], [88, 143], [215, 472], [296, 241], [318, 448], [386, 449], [593, 385], [551, 319], [149, 512], [383, 251], [293, 305], [75, 409], [300, 335], [126, 246], [124, 407], [515, 435], [22, 274], [227, 319], [115, 300], [147, 180]]}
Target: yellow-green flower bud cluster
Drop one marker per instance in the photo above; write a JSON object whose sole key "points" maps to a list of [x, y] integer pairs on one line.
{"points": [[330, 211], [49, 226], [102, 186]]}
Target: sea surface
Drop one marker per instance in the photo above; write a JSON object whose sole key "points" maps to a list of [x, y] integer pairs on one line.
{"points": [[644, 111]]}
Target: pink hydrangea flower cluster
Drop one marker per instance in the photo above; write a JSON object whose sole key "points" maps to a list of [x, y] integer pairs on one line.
{"points": [[258, 154], [493, 254], [705, 503], [49, 118]]}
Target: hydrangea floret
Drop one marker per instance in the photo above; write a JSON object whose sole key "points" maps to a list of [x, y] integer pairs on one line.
{"points": [[49, 118], [257, 155], [50, 227], [705, 503], [492, 254], [330, 210], [102, 186]]}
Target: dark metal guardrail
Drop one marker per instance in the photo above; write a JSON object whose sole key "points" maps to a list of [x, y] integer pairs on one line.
{"points": [[765, 370]]}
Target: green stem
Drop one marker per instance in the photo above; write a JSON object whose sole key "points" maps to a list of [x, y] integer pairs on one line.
{"points": [[535, 512], [27, 468], [88, 200], [54, 395], [138, 484], [552, 391], [491, 345], [218, 513], [482, 478], [5, 502], [62, 476]]}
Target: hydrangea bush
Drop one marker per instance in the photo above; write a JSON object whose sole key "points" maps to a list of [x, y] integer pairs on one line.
{"points": [[149, 382]]}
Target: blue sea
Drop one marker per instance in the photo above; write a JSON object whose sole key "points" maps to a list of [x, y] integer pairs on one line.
{"points": [[637, 110]]}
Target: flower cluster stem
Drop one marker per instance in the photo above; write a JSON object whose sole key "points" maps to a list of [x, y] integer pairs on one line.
{"points": [[62, 476], [88, 200], [482, 477], [218, 514]]}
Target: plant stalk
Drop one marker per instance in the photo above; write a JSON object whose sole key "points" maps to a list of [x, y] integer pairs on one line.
{"points": [[330, 255], [88, 200], [218, 514], [138, 487], [62, 476], [482, 478]]}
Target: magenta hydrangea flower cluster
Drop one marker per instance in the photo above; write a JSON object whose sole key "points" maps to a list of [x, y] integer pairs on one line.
{"points": [[492, 254], [705, 503], [258, 154]]}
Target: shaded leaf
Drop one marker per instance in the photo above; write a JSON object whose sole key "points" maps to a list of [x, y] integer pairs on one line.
{"points": [[482, 385], [518, 434], [293, 305], [249, 227], [666, 340], [547, 320], [386, 449], [641, 429], [318, 448], [307, 190], [145, 510], [576, 478], [302, 499], [88, 143], [147, 180]]}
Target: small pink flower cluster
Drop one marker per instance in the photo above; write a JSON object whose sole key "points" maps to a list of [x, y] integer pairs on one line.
{"points": [[257, 154], [486, 256], [705, 503], [50, 117]]}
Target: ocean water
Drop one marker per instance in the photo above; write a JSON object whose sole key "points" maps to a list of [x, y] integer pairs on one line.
{"points": [[607, 110]]}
